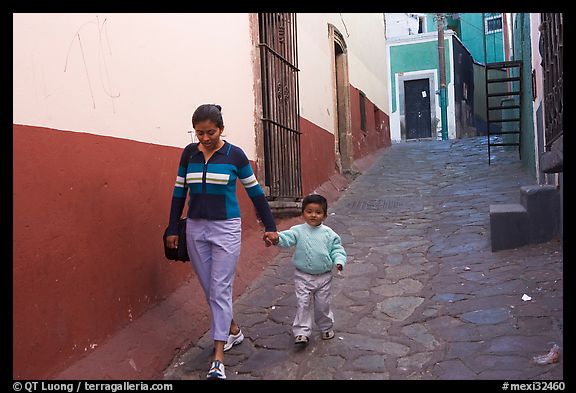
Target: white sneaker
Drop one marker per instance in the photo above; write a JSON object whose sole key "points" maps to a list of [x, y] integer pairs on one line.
{"points": [[233, 339], [216, 370]]}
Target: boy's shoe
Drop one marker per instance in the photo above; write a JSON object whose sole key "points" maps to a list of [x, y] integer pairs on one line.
{"points": [[328, 335], [300, 339], [233, 339], [216, 370]]}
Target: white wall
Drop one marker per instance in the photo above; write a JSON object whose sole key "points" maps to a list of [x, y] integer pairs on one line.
{"points": [[536, 60], [133, 76], [401, 24], [451, 109], [367, 62]]}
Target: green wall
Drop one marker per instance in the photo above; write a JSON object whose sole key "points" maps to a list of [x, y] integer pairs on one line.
{"points": [[416, 57], [523, 51], [471, 35]]}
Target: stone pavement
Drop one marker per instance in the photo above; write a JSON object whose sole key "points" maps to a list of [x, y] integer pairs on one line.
{"points": [[422, 295]]}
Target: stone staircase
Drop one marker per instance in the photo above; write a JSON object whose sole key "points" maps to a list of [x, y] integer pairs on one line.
{"points": [[536, 219]]}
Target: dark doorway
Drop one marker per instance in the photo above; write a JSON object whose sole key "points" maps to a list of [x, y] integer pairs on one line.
{"points": [[340, 96], [417, 104]]}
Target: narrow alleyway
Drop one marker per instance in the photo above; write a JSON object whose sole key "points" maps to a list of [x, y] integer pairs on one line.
{"points": [[423, 296]]}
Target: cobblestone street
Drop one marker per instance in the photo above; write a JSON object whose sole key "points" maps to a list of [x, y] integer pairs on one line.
{"points": [[422, 296]]}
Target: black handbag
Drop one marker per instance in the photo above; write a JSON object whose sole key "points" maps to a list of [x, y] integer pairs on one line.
{"points": [[180, 253]]}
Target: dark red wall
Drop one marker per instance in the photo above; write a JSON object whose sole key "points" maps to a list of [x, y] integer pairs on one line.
{"points": [[89, 213], [377, 134], [88, 216], [318, 155]]}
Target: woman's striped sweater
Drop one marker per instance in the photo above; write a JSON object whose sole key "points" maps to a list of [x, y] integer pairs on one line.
{"points": [[212, 186]]}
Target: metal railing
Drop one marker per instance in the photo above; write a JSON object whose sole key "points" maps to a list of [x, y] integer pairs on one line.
{"points": [[504, 102]]}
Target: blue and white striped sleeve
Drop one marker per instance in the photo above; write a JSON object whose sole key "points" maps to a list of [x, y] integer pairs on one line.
{"points": [[255, 192], [248, 180], [180, 187], [179, 193]]}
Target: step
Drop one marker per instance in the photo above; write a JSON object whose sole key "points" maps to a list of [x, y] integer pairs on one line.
{"points": [[503, 132], [505, 144], [510, 93], [509, 226], [512, 79], [503, 120], [493, 108], [504, 64], [284, 209], [542, 202]]}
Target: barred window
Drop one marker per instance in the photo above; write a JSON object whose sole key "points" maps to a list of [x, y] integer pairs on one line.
{"points": [[362, 111], [551, 48], [280, 104], [493, 24]]}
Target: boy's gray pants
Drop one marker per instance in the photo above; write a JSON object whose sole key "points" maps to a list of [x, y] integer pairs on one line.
{"points": [[313, 295]]}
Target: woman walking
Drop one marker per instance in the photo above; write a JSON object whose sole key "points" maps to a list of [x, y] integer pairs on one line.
{"points": [[208, 171]]}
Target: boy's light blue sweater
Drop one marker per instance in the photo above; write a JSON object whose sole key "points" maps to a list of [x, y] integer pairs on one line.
{"points": [[318, 248]]}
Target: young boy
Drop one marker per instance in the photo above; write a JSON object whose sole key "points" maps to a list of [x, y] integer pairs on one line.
{"points": [[318, 250]]}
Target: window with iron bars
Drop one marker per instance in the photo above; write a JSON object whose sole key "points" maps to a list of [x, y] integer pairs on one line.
{"points": [[493, 24], [280, 105], [551, 50], [362, 111]]}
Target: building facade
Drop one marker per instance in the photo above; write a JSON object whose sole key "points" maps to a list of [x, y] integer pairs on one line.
{"points": [[544, 34], [414, 83], [102, 109], [404, 24], [468, 27]]}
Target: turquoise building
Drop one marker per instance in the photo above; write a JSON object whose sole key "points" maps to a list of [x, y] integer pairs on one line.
{"points": [[523, 52], [414, 75], [468, 27], [414, 86]]}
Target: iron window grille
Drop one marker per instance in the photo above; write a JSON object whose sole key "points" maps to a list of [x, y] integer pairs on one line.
{"points": [[493, 24], [280, 105], [551, 49], [362, 111]]}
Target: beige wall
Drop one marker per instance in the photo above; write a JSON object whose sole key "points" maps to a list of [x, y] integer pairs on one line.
{"points": [[536, 60], [133, 76], [364, 36]]}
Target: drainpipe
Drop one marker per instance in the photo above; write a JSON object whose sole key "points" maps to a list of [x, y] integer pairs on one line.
{"points": [[506, 38], [506, 53], [442, 66]]}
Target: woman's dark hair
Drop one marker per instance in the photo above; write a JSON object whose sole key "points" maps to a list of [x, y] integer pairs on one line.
{"points": [[210, 112], [315, 198]]}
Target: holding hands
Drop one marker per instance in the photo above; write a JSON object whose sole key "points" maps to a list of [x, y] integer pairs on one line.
{"points": [[270, 238]]}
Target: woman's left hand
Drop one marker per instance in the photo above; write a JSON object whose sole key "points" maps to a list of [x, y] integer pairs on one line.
{"points": [[272, 236]]}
